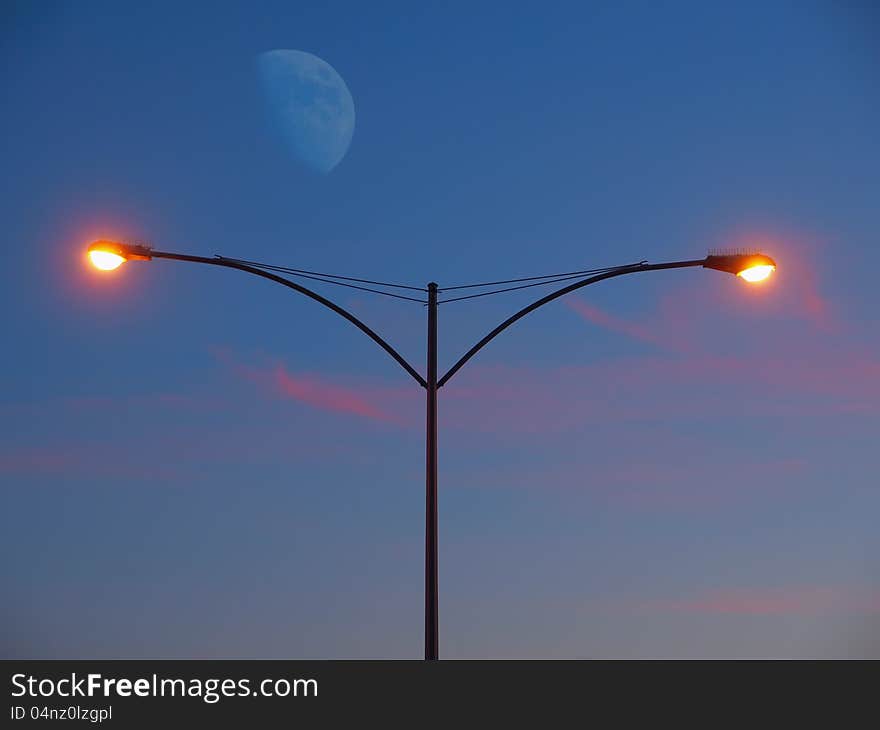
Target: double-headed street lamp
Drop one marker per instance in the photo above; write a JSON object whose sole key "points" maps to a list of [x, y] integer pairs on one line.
{"points": [[752, 267]]}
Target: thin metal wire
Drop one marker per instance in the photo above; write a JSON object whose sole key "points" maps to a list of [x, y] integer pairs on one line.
{"points": [[282, 269], [535, 278], [540, 283], [305, 272], [507, 289], [332, 279], [352, 286]]}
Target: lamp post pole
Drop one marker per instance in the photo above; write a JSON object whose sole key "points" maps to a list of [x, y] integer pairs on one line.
{"points": [[431, 586], [751, 266]]}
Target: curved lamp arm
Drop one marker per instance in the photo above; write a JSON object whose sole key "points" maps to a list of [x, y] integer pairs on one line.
{"points": [[230, 264], [751, 266], [555, 295]]}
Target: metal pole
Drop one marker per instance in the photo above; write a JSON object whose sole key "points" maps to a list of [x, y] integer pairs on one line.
{"points": [[431, 385], [431, 603]]}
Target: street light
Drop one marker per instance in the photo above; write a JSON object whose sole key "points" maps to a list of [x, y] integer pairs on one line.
{"points": [[110, 255], [752, 267]]}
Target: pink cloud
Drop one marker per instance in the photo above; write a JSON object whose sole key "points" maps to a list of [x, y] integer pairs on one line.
{"points": [[319, 392], [785, 373], [797, 288], [714, 480], [771, 366], [648, 334], [815, 306], [36, 461], [687, 315], [322, 394], [812, 382], [92, 460], [177, 454], [775, 601], [701, 484], [127, 403]]}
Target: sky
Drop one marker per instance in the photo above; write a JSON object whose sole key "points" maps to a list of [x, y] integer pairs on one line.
{"points": [[196, 463]]}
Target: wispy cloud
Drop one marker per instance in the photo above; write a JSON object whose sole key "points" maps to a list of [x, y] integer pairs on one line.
{"points": [[651, 483], [321, 393], [643, 333], [787, 355], [811, 382], [36, 461], [684, 314], [797, 290], [773, 601], [127, 403], [365, 401], [90, 460]]}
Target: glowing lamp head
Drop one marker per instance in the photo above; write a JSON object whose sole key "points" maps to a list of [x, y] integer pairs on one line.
{"points": [[109, 255], [757, 273], [106, 260], [751, 267]]}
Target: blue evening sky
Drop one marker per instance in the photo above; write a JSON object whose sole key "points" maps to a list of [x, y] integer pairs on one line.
{"points": [[197, 463]]}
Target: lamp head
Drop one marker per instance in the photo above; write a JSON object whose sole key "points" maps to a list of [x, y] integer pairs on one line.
{"points": [[752, 267], [109, 255]]}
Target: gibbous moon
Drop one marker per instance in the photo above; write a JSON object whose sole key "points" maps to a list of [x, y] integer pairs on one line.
{"points": [[310, 104]]}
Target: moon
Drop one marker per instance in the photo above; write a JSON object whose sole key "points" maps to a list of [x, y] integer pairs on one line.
{"points": [[310, 105]]}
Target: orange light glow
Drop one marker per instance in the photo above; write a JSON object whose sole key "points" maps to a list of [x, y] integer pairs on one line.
{"points": [[757, 273], [106, 260]]}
